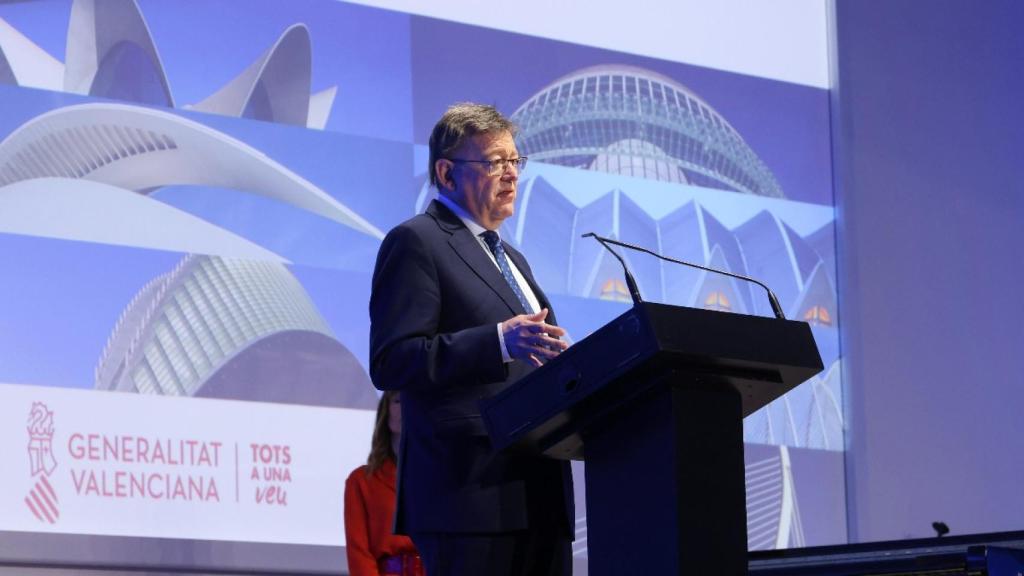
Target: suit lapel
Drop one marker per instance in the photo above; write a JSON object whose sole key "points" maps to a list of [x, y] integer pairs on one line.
{"points": [[472, 253]]}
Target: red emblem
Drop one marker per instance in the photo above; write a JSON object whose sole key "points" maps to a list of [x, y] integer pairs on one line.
{"points": [[42, 499]]}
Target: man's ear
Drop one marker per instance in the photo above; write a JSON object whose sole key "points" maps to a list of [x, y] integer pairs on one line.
{"points": [[443, 171]]}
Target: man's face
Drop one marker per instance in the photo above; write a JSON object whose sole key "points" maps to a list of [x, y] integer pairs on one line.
{"points": [[489, 198]]}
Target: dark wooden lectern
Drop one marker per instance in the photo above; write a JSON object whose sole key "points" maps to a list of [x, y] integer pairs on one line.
{"points": [[654, 402]]}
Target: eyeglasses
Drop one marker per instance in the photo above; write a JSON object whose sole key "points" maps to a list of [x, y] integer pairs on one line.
{"points": [[496, 166]]}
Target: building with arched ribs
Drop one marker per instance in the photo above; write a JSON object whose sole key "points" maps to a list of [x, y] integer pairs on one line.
{"points": [[631, 121]]}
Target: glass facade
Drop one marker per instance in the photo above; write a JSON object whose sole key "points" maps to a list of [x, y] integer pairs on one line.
{"points": [[631, 121]]}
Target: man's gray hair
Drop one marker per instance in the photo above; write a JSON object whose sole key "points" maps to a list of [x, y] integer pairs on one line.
{"points": [[460, 122]]}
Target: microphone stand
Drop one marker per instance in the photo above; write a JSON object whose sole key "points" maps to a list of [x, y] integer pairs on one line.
{"points": [[776, 307]]}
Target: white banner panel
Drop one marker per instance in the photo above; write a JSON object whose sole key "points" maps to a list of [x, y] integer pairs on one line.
{"points": [[118, 464]]}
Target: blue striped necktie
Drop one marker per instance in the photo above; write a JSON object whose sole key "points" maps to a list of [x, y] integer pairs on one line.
{"points": [[494, 243]]}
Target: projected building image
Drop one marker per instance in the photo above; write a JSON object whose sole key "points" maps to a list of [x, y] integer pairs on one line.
{"points": [[114, 173], [636, 122], [688, 224], [110, 53], [221, 328], [629, 121]]}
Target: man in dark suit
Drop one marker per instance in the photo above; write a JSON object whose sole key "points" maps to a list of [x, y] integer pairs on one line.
{"points": [[455, 317]]}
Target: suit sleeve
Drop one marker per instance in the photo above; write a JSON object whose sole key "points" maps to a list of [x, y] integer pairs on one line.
{"points": [[407, 349]]}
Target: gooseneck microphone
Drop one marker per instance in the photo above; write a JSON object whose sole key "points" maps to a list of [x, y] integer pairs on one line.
{"points": [[776, 308], [634, 292]]}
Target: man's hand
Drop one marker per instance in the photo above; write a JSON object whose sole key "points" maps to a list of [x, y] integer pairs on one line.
{"points": [[527, 337]]}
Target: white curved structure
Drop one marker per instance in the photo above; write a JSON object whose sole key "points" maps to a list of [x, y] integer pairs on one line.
{"points": [[320, 105], [230, 328], [23, 63], [628, 120], [141, 149], [110, 53], [276, 87], [826, 410], [109, 44], [773, 514], [95, 212]]}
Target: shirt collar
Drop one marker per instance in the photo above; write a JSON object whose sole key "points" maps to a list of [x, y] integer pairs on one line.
{"points": [[463, 215]]}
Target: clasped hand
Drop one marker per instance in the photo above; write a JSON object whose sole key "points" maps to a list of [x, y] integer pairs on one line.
{"points": [[527, 337]]}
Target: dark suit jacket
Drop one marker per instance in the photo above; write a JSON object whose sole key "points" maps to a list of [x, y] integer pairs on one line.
{"points": [[436, 301]]}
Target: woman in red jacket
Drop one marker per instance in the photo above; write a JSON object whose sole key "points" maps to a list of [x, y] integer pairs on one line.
{"points": [[370, 504]]}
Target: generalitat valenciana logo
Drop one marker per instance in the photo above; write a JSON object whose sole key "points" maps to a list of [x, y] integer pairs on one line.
{"points": [[42, 498]]}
